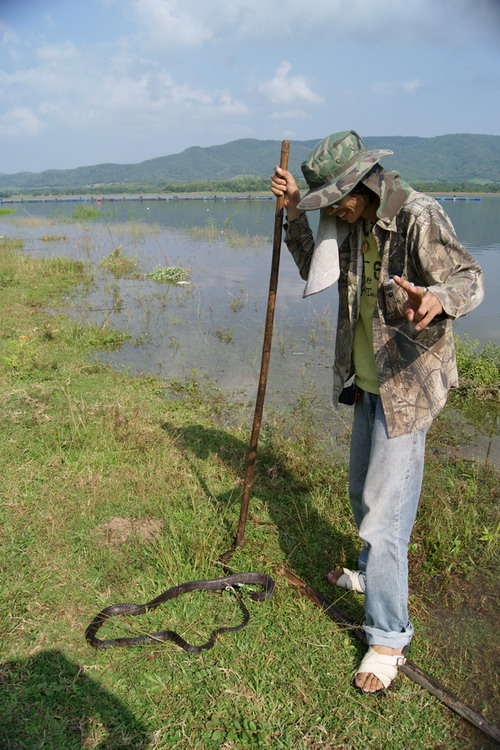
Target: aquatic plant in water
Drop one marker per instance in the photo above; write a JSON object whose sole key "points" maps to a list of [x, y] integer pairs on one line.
{"points": [[169, 275], [119, 264], [225, 335], [53, 237], [86, 213]]}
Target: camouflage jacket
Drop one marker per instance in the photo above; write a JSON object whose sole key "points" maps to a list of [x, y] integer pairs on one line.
{"points": [[417, 241]]}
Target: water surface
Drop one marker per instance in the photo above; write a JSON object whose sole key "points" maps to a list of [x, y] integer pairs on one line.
{"points": [[215, 324]]}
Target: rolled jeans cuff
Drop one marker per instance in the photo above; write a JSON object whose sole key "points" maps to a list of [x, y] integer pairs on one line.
{"points": [[377, 637]]}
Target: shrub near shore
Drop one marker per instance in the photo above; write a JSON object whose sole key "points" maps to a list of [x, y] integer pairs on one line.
{"points": [[117, 488]]}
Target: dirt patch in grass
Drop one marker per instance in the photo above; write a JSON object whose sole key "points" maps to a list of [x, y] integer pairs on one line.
{"points": [[119, 530]]}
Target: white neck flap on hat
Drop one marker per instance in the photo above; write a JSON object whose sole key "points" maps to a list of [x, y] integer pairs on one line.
{"points": [[325, 269]]}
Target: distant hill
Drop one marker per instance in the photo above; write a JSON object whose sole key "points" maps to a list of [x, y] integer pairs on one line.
{"points": [[447, 158]]}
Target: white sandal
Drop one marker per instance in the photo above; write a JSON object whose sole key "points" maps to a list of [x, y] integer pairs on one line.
{"points": [[351, 580], [383, 666]]}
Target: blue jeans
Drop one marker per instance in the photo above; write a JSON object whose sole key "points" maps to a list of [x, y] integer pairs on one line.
{"points": [[385, 479]]}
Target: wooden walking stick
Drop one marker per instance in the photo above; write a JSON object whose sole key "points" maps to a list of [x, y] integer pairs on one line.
{"points": [[264, 367]]}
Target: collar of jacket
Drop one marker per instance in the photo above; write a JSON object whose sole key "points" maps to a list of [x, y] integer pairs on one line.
{"points": [[393, 193]]}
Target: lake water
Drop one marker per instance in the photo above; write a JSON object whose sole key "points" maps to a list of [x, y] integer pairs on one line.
{"points": [[215, 324]]}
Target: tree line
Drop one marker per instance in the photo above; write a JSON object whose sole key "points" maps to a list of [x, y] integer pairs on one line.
{"points": [[233, 185]]}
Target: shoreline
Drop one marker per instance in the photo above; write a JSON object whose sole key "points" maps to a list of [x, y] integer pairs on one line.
{"points": [[101, 198]]}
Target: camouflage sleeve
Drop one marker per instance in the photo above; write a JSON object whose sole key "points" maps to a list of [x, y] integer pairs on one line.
{"points": [[300, 241], [443, 264]]}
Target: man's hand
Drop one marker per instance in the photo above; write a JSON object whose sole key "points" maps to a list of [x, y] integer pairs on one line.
{"points": [[283, 183], [421, 306]]}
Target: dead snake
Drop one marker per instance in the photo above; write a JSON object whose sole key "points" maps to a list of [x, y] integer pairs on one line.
{"points": [[216, 584]]}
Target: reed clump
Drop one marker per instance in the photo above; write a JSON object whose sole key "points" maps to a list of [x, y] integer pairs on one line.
{"points": [[169, 274]]}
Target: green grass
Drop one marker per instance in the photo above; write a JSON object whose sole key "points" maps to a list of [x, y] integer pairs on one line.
{"points": [[479, 368], [83, 445]]}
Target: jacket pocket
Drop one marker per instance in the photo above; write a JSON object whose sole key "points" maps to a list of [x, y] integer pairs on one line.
{"points": [[394, 300]]}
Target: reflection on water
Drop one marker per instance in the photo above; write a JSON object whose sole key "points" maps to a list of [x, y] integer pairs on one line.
{"points": [[478, 228], [477, 224], [215, 325]]}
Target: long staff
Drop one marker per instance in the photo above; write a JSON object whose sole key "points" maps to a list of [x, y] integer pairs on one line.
{"points": [[264, 367]]}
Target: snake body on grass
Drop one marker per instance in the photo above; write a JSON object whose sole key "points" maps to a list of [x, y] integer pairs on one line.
{"points": [[216, 584]]}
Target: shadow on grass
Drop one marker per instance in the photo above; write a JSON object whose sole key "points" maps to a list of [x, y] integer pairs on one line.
{"points": [[47, 701], [311, 545], [309, 542]]}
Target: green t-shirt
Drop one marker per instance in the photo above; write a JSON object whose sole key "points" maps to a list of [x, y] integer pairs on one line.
{"points": [[364, 359]]}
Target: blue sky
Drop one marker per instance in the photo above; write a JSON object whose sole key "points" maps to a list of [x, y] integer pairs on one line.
{"points": [[84, 82]]}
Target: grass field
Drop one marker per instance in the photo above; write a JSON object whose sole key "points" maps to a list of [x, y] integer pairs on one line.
{"points": [[116, 488]]}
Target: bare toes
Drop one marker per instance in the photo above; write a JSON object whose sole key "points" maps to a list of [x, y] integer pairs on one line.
{"points": [[334, 575], [368, 683]]}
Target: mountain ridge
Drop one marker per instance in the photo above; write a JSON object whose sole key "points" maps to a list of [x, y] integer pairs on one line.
{"points": [[461, 157]]}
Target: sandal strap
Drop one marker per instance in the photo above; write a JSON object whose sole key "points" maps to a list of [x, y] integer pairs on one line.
{"points": [[351, 580], [383, 666]]}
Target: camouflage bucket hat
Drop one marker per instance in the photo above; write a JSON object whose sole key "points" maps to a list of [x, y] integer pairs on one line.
{"points": [[335, 166]]}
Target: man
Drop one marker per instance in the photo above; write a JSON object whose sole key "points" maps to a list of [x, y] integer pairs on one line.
{"points": [[403, 277]]}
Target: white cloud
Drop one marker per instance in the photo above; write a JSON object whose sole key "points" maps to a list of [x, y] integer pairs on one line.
{"points": [[127, 89], [221, 103], [118, 94], [166, 21], [19, 121], [411, 87], [390, 88], [331, 20], [337, 23], [290, 114], [154, 99], [61, 110], [57, 52], [7, 34], [285, 89], [40, 80]]}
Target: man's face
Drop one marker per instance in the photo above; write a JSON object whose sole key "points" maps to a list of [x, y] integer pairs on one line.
{"points": [[350, 208]]}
